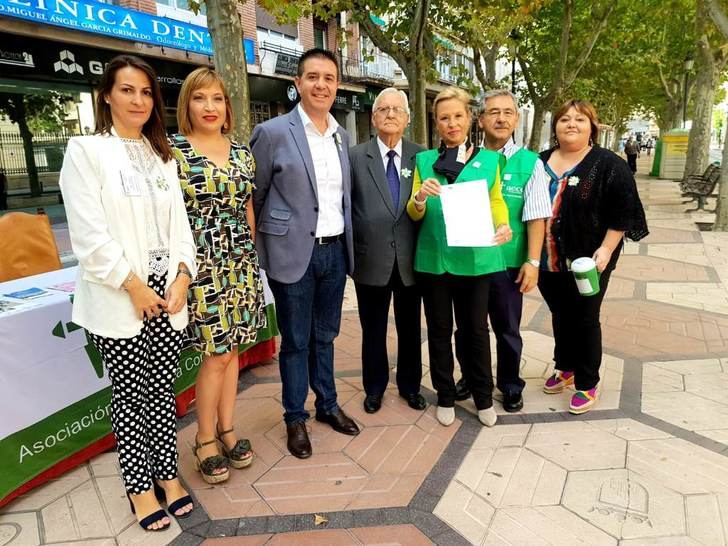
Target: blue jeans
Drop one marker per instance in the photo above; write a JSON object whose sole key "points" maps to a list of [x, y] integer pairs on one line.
{"points": [[309, 317]]}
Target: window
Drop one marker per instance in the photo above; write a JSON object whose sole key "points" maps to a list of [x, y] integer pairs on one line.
{"points": [[259, 112], [319, 38]]}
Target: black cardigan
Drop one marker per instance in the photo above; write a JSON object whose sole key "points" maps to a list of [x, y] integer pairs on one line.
{"points": [[605, 198]]}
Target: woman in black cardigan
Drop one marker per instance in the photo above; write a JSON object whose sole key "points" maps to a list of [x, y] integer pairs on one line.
{"points": [[595, 205]]}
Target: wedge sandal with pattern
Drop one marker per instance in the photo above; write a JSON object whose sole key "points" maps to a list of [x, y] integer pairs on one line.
{"points": [[241, 454], [213, 469]]}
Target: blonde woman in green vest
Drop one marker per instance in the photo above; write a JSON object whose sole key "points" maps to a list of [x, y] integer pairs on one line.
{"points": [[457, 279]]}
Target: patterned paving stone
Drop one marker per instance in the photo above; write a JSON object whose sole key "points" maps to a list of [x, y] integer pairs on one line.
{"points": [[394, 535], [692, 394], [649, 330], [663, 234], [512, 476], [465, 511], [687, 468], [649, 268], [577, 445], [624, 504], [691, 253], [709, 297], [543, 525]]}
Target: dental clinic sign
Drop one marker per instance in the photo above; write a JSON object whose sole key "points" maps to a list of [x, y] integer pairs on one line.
{"points": [[99, 18]]}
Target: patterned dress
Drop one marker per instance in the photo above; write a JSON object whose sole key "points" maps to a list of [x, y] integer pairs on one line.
{"points": [[226, 298]]}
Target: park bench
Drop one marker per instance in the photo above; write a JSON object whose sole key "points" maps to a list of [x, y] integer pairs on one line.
{"points": [[698, 187]]}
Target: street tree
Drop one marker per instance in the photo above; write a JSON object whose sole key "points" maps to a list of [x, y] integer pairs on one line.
{"points": [[711, 58], [34, 112], [717, 11], [226, 31], [408, 36], [550, 67]]}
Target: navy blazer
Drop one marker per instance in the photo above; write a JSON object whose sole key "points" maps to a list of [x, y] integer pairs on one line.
{"points": [[285, 197]]}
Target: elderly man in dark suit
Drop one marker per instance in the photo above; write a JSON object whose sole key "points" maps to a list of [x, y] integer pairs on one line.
{"points": [[302, 204], [384, 247]]}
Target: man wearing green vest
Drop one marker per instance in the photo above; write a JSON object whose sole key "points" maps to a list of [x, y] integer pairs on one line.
{"points": [[525, 191]]}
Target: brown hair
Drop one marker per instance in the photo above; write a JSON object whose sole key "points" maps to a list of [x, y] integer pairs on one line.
{"points": [[153, 129], [583, 107], [197, 79], [452, 93]]}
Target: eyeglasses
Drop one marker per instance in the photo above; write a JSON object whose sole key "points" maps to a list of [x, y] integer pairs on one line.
{"points": [[498, 113], [385, 110]]}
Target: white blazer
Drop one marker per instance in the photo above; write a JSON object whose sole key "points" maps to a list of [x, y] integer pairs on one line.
{"points": [[108, 235]]}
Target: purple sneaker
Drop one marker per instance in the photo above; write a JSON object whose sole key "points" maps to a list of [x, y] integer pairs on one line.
{"points": [[582, 401], [558, 381]]}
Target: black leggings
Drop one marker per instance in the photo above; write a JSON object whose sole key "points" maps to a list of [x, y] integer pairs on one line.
{"points": [[575, 321]]}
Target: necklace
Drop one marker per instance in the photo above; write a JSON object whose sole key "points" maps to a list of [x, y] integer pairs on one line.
{"points": [[145, 163]]}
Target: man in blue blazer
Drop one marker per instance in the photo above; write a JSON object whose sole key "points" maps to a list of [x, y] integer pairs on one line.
{"points": [[302, 203]]}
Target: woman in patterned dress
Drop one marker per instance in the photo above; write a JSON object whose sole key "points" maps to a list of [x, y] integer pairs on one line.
{"points": [[226, 299]]}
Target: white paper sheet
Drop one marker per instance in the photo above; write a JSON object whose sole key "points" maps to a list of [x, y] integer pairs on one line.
{"points": [[466, 209]]}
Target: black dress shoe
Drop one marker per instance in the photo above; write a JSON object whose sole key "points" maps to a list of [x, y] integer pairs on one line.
{"points": [[339, 421], [416, 401], [372, 403], [298, 443], [462, 391], [512, 402]]}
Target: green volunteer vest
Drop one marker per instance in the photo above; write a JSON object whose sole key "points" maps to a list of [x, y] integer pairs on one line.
{"points": [[518, 170], [433, 255]]}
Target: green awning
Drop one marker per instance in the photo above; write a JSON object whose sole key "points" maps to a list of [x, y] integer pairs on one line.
{"points": [[377, 21]]}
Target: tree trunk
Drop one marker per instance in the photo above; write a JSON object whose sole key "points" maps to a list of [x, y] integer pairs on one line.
{"points": [[619, 129], [671, 118], [539, 116], [417, 78], [35, 187], [721, 212], [226, 32], [705, 84]]}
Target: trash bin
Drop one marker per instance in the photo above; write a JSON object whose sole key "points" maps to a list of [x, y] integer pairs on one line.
{"points": [[674, 154]]}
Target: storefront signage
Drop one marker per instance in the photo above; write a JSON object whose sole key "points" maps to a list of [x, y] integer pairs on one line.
{"points": [[118, 22], [286, 64], [42, 60]]}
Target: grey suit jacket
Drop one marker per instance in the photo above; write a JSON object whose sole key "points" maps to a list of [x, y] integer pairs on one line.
{"points": [[285, 197], [383, 231]]}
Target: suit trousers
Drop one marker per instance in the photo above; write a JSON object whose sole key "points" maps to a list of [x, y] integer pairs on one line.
{"points": [[468, 298], [309, 318], [576, 326], [373, 303], [142, 372]]}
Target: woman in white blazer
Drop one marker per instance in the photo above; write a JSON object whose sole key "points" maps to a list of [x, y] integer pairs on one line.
{"points": [[129, 231]]}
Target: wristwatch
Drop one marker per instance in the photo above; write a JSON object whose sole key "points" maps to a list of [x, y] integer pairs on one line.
{"points": [[534, 263]]}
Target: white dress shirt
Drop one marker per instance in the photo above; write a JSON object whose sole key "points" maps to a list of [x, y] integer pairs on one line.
{"points": [[537, 201], [327, 167], [384, 150]]}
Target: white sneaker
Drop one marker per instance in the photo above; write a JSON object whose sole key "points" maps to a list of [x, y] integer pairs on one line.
{"points": [[446, 416], [488, 416]]}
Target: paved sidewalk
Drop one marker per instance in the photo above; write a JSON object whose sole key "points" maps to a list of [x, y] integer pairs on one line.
{"points": [[648, 466]]}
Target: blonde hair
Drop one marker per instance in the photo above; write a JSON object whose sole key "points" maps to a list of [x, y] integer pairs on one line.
{"points": [[197, 79], [453, 93]]}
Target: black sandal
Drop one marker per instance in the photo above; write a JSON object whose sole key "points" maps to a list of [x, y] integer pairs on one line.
{"points": [[181, 502], [151, 519], [208, 466]]}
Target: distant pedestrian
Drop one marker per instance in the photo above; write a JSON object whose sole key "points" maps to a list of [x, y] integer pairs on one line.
{"points": [[632, 150]]}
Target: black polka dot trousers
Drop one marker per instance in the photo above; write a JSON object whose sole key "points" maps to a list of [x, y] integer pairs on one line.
{"points": [[142, 371]]}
